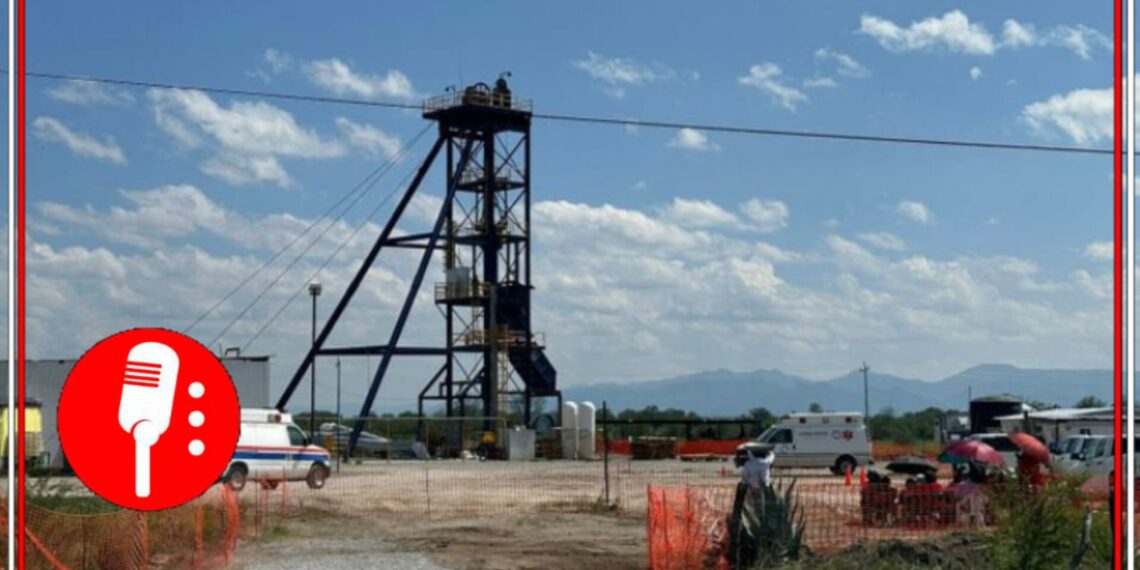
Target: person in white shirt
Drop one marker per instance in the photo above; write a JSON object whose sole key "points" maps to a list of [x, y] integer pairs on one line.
{"points": [[757, 471]]}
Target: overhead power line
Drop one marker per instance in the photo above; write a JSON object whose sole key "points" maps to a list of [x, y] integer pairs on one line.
{"points": [[378, 171], [370, 182], [587, 119], [328, 260]]}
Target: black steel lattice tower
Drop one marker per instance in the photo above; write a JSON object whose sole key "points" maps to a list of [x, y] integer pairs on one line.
{"points": [[491, 354]]}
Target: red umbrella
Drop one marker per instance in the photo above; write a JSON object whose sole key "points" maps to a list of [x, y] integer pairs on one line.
{"points": [[1031, 448], [972, 450]]}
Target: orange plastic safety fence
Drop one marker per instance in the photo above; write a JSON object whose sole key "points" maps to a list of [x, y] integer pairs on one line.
{"points": [[201, 534], [709, 446], [687, 523], [687, 528]]}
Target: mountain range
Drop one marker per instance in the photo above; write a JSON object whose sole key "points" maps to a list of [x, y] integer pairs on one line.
{"points": [[728, 393]]}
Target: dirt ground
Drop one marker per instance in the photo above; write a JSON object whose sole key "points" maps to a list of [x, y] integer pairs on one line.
{"points": [[450, 490], [561, 541], [456, 515]]}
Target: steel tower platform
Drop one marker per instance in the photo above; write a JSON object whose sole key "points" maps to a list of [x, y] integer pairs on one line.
{"points": [[491, 355]]}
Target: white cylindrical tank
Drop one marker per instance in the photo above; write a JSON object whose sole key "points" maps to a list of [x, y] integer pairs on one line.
{"points": [[569, 430], [587, 430]]}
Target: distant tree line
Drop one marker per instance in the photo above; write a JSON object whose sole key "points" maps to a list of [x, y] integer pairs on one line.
{"points": [[886, 425]]}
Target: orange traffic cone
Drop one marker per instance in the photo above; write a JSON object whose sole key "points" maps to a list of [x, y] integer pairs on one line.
{"points": [[723, 472], [847, 476], [862, 476]]}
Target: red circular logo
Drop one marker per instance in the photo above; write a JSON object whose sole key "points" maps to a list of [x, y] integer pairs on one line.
{"points": [[149, 419]]}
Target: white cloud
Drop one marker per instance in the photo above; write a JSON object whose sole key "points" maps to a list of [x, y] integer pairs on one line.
{"points": [[817, 82], [916, 211], [241, 170], [618, 73], [1096, 286], [883, 240], [278, 61], [952, 31], [250, 128], [1016, 34], [763, 216], [337, 77], [975, 73], [1081, 39], [373, 141], [89, 93], [250, 136], [159, 218], [696, 294], [1084, 115], [692, 139], [955, 32], [1100, 250], [159, 214], [845, 64], [699, 214], [767, 77], [49, 129], [766, 215]]}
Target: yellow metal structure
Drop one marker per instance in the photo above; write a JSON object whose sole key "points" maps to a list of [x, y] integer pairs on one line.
{"points": [[33, 431]]}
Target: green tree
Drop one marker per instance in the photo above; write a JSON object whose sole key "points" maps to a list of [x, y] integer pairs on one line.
{"points": [[1039, 405], [815, 408], [1090, 402]]}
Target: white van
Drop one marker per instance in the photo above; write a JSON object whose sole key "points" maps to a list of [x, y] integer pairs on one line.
{"points": [[1097, 456], [836, 440], [1068, 452], [272, 449]]}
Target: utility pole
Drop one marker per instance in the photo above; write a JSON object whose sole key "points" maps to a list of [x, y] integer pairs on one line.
{"points": [[314, 292], [866, 394]]}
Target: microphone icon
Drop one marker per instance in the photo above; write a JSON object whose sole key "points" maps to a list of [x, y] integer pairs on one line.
{"points": [[149, 381]]}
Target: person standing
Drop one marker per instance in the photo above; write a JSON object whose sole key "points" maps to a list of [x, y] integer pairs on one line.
{"points": [[757, 472]]}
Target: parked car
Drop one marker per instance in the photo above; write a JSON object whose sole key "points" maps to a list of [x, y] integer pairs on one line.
{"points": [[837, 441], [333, 436]]}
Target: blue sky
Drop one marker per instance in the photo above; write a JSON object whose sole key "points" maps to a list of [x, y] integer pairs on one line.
{"points": [[660, 252]]}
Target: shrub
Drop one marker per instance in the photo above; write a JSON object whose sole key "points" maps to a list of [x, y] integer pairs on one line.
{"points": [[766, 528], [1036, 528]]}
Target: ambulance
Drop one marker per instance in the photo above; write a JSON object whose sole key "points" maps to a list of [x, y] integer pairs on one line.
{"points": [[271, 449], [835, 440]]}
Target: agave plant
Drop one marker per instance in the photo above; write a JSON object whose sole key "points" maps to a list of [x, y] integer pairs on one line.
{"points": [[766, 528]]}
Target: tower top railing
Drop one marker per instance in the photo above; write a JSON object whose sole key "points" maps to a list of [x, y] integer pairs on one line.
{"points": [[477, 98]]}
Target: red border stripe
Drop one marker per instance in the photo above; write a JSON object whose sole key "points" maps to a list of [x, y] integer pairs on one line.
{"points": [[1118, 257], [20, 126]]}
